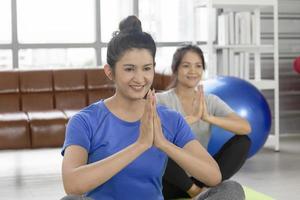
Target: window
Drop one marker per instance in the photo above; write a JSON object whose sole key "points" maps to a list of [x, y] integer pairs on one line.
{"points": [[167, 20], [5, 59], [103, 53], [56, 21], [163, 59], [57, 58], [62, 33], [112, 11], [5, 21]]}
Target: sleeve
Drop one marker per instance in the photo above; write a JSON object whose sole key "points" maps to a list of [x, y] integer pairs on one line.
{"points": [[218, 107], [77, 133], [184, 133], [160, 98]]}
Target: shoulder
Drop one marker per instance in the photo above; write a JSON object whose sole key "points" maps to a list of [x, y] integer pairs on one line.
{"points": [[174, 126], [165, 94], [217, 106], [166, 111], [165, 97], [91, 113], [212, 99], [169, 117]]}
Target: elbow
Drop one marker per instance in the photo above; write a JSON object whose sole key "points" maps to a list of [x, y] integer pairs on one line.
{"points": [[248, 128], [217, 178], [214, 181], [73, 190], [72, 187], [245, 129]]}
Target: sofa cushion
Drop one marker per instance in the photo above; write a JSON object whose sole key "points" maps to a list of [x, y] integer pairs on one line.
{"points": [[70, 100], [36, 81], [47, 128], [9, 82], [36, 90], [69, 80], [96, 95], [158, 82], [96, 79], [9, 102], [9, 91], [14, 131], [37, 101], [69, 86]]}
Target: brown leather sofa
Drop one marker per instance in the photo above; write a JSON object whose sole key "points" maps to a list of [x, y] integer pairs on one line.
{"points": [[35, 105]]}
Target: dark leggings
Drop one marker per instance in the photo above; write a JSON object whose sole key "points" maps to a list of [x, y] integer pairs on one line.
{"points": [[230, 159]]}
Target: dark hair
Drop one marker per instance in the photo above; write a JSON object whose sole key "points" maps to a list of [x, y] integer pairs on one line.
{"points": [[130, 36], [177, 57]]}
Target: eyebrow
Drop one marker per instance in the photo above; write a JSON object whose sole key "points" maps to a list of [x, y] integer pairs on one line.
{"points": [[190, 63], [132, 65]]}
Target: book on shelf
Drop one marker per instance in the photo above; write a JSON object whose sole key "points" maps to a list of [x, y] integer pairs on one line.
{"points": [[235, 28], [223, 29]]}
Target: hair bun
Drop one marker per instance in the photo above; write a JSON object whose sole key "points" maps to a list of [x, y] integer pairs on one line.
{"points": [[130, 24]]}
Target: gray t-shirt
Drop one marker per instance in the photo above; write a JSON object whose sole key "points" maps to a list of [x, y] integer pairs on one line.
{"points": [[215, 106]]}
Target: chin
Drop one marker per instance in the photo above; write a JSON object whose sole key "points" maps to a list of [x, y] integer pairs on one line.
{"points": [[137, 96], [191, 85]]}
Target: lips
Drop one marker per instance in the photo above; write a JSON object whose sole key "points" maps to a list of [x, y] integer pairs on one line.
{"points": [[192, 77], [137, 87]]}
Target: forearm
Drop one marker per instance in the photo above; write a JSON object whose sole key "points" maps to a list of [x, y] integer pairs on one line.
{"points": [[87, 177], [203, 168], [235, 125], [191, 119]]}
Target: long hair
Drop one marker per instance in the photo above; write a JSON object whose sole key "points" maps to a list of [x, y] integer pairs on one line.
{"points": [[177, 58]]}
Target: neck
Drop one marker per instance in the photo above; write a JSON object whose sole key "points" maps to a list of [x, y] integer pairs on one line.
{"points": [[184, 92], [128, 105]]}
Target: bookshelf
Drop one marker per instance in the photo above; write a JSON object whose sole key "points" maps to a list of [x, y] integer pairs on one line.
{"points": [[233, 45]]}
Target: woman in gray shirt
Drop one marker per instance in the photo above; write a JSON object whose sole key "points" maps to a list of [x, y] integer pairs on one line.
{"points": [[201, 112]]}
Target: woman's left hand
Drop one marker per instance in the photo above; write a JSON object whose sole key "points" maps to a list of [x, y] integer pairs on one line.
{"points": [[159, 138], [202, 114]]}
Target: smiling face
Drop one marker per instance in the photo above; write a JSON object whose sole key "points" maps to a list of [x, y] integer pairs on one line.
{"points": [[134, 73], [190, 70]]}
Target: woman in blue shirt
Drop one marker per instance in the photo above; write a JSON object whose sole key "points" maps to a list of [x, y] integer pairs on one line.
{"points": [[117, 148]]}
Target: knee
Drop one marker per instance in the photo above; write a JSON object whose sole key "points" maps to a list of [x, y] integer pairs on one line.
{"points": [[243, 141], [233, 189]]}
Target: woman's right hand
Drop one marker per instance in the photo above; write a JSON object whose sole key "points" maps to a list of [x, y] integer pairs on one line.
{"points": [[199, 107], [194, 190], [146, 137]]}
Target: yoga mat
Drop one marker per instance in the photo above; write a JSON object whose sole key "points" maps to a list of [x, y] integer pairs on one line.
{"points": [[250, 194], [254, 195]]}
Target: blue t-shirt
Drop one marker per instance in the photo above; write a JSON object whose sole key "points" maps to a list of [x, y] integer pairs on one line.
{"points": [[103, 134]]}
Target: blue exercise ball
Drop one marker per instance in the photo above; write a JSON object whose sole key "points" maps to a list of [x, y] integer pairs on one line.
{"points": [[248, 102]]}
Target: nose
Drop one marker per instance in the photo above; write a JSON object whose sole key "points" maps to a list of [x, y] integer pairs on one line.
{"points": [[139, 76], [193, 68]]}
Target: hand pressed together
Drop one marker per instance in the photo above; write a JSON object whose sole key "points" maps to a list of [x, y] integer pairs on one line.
{"points": [[150, 128], [199, 107], [159, 138], [146, 136]]}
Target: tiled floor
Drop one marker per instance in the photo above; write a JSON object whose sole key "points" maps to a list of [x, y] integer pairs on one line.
{"points": [[31, 175], [274, 173], [35, 174]]}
